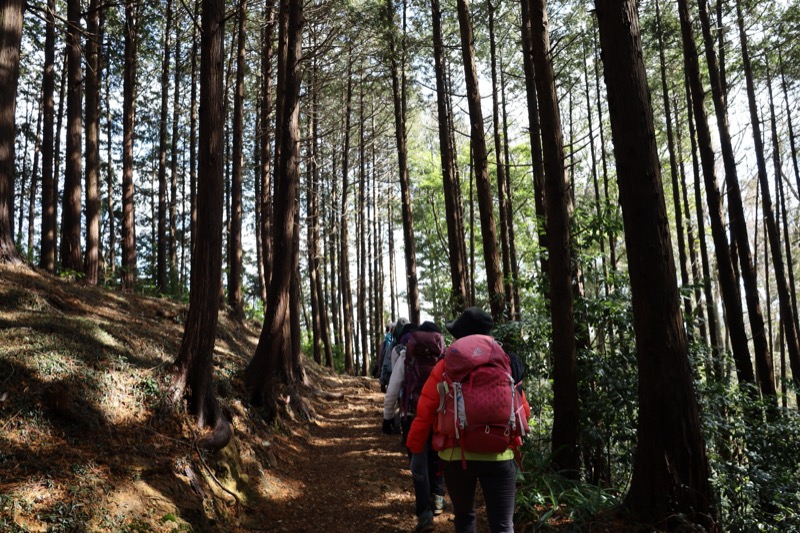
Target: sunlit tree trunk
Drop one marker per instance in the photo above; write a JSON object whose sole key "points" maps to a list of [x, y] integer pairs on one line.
{"points": [[10, 39], [70, 252], [128, 118]]}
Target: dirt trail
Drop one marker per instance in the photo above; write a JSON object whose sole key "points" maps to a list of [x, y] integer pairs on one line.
{"points": [[351, 477]]}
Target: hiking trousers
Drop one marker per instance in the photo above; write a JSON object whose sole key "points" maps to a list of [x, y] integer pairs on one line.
{"points": [[498, 481], [426, 472]]}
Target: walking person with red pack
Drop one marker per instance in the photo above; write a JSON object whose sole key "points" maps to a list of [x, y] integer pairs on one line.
{"points": [[478, 414], [422, 351]]}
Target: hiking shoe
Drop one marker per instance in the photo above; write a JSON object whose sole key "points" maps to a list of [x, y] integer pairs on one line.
{"points": [[438, 504], [424, 523]]}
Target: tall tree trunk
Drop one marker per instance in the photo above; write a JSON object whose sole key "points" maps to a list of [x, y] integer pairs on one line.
{"points": [[193, 367], [10, 39], [344, 247], [173, 267], [735, 206], [397, 67], [34, 186], [128, 132], [71, 256], [727, 279], [502, 193], [452, 192], [235, 233], [509, 210], [265, 199], [47, 258], [534, 133], [312, 224], [491, 257], [566, 429], [276, 355], [670, 476], [361, 302], [161, 231], [764, 365], [673, 172], [94, 39]]}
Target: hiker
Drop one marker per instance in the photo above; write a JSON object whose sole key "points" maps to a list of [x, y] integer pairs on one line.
{"points": [[464, 468], [390, 360], [388, 339], [422, 351], [386, 365]]}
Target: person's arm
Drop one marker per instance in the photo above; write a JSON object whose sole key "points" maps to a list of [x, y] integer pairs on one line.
{"points": [[393, 390], [426, 411]]}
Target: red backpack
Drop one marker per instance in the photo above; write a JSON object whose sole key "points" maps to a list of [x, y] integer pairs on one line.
{"points": [[480, 409], [423, 351]]}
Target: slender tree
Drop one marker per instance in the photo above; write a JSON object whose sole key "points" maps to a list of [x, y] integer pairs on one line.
{"points": [[128, 127], [566, 422], [235, 233], [480, 160], [452, 191], [94, 39], [397, 69], [47, 257]]}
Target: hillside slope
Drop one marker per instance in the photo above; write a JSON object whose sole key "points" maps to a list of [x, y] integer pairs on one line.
{"points": [[84, 445]]}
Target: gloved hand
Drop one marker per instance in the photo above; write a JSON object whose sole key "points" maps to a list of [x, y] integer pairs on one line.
{"points": [[388, 426]]}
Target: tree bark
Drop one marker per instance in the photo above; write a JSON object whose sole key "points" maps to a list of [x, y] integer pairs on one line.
{"points": [[452, 191], [235, 232], [491, 256], [735, 205], [727, 278], [670, 476], [47, 258], [94, 38], [10, 39], [128, 131], [70, 252], [277, 355], [193, 367], [398, 96], [566, 421]]}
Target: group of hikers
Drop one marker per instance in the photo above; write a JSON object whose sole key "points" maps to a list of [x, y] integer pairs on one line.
{"points": [[462, 414]]}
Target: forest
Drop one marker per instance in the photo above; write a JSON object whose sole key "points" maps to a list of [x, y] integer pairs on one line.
{"points": [[614, 182]]}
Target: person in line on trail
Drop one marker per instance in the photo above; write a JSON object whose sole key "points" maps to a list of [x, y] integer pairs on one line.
{"points": [[423, 350], [476, 428], [388, 339], [391, 424], [386, 364]]}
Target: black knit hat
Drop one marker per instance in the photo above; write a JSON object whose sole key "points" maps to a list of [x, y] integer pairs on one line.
{"points": [[429, 326], [473, 321]]}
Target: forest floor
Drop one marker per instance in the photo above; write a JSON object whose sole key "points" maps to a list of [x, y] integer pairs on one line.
{"points": [[85, 444]]}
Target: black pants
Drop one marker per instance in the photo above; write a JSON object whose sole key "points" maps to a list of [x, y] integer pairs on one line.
{"points": [[426, 472], [498, 482]]}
